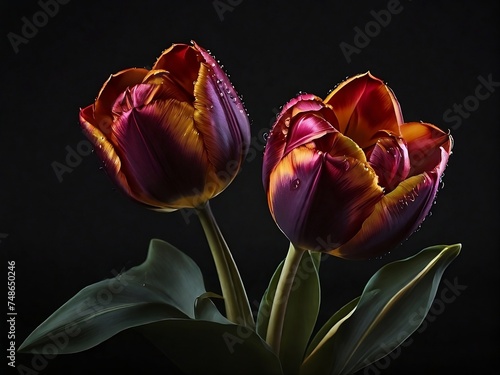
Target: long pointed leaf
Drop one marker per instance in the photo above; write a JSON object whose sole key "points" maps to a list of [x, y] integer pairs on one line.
{"points": [[165, 286], [393, 305], [332, 323]]}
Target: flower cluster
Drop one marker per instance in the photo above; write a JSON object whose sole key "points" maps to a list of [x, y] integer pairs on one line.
{"points": [[344, 175]]}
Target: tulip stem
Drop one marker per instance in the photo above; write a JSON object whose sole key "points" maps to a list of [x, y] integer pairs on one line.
{"points": [[280, 301], [235, 297]]}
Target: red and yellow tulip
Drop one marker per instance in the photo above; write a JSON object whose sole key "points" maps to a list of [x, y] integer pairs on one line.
{"points": [[171, 137], [345, 175]]}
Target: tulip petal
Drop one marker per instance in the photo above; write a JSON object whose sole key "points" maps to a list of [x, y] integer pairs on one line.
{"points": [[390, 160], [291, 187], [320, 201], [134, 97], [221, 119], [169, 84], [278, 136], [183, 62], [305, 129], [106, 153], [163, 156], [364, 105], [144, 94], [346, 194], [308, 100], [342, 146], [396, 216], [424, 145], [112, 88]]}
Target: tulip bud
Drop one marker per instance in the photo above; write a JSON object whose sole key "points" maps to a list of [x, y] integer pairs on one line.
{"points": [[346, 176], [171, 137]]}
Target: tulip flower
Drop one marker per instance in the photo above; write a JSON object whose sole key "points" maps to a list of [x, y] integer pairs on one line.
{"points": [[345, 175], [174, 137], [171, 137]]}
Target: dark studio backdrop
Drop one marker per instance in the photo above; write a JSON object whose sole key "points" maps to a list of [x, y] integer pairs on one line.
{"points": [[64, 232]]}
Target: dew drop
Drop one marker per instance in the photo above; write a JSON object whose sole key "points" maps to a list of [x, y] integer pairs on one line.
{"points": [[287, 122], [346, 165], [294, 184], [265, 136], [285, 131]]}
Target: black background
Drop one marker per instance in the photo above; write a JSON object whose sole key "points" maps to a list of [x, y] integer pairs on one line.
{"points": [[65, 235]]}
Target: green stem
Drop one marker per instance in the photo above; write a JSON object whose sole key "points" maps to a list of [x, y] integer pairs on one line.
{"points": [[235, 297], [280, 301]]}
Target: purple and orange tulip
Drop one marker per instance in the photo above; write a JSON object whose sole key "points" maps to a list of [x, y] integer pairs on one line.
{"points": [[346, 175], [171, 137]]}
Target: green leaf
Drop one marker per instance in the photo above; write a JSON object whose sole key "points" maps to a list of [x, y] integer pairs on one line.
{"points": [[332, 324], [302, 311], [392, 306], [206, 310], [165, 286], [202, 347]]}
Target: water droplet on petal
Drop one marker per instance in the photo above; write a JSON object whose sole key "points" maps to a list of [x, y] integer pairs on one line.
{"points": [[284, 131], [295, 184], [346, 165], [287, 122]]}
